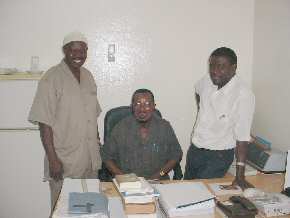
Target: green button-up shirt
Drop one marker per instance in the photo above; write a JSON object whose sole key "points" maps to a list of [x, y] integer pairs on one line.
{"points": [[132, 154]]}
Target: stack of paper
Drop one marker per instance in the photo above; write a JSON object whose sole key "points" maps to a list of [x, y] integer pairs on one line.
{"points": [[272, 204], [138, 200], [186, 198], [220, 189], [80, 185]]}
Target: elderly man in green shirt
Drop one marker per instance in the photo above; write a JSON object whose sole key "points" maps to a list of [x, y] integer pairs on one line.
{"points": [[142, 143]]}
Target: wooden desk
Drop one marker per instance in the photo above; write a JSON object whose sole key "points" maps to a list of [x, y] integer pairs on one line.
{"points": [[266, 182]]}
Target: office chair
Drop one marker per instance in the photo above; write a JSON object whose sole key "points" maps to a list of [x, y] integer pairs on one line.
{"points": [[112, 117]]}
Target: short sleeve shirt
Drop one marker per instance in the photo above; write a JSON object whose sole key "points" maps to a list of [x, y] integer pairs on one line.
{"points": [[131, 155], [225, 115], [71, 109]]}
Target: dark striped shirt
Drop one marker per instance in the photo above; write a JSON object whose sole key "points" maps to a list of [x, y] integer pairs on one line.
{"points": [[132, 154]]}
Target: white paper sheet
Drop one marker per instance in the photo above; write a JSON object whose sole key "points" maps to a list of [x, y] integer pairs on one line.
{"points": [[218, 189]]}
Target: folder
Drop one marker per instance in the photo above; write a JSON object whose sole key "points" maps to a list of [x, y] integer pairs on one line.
{"points": [[185, 198]]}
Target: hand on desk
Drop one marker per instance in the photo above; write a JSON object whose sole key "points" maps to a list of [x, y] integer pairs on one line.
{"points": [[155, 176], [240, 179], [241, 182]]}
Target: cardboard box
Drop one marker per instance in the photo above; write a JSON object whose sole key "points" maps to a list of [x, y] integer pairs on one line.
{"points": [[140, 208]]}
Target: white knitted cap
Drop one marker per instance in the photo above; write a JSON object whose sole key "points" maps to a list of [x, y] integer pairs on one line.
{"points": [[73, 37]]}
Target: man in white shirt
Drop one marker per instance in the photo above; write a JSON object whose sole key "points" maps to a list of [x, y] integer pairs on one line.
{"points": [[225, 112]]}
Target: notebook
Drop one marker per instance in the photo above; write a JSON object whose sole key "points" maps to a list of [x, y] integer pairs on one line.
{"points": [[87, 203], [186, 198]]}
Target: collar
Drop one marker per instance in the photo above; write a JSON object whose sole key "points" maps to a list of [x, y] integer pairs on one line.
{"points": [[228, 87], [149, 124], [66, 69]]}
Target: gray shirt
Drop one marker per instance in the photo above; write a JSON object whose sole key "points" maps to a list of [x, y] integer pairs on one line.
{"points": [[132, 154], [71, 109]]}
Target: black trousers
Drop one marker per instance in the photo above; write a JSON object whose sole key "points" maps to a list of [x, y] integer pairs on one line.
{"points": [[205, 164]]}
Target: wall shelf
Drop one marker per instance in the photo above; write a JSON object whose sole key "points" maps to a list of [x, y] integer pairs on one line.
{"points": [[21, 76], [19, 129]]}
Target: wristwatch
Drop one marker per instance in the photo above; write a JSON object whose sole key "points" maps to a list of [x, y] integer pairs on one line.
{"points": [[161, 173]]}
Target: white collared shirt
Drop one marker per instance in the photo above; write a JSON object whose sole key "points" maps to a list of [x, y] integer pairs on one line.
{"points": [[225, 115]]}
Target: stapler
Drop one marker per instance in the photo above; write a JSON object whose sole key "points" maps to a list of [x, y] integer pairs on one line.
{"points": [[240, 207]]}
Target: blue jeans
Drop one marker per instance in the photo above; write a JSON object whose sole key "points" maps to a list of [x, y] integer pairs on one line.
{"points": [[206, 164]]}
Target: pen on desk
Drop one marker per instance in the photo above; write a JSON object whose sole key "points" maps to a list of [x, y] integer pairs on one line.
{"points": [[194, 203], [154, 181]]}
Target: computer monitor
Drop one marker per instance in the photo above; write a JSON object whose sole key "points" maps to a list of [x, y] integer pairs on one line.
{"points": [[287, 176]]}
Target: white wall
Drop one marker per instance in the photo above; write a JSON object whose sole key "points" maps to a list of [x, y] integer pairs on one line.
{"points": [[161, 45], [271, 76]]}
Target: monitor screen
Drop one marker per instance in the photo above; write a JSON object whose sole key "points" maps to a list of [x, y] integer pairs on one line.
{"points": [[287, 174]]}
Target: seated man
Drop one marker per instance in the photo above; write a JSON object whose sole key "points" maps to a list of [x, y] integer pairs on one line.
{"points": [[142, 143]]}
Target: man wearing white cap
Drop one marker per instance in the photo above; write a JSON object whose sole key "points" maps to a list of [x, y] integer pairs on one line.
{"points": [[66, 109]]}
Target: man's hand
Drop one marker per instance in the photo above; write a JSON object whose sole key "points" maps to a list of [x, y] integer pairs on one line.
{"points": [[241, 154], [155, 176], [55, 165], [113, 168], [56, 169], [242, 182]]}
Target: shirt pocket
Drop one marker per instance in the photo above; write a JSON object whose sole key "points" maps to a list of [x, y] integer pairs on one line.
{"points": [[91, 97], [161, 151], [223, 118]]}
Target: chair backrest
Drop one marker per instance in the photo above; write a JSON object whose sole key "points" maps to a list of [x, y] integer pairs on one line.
{"points": [[113, 117]]}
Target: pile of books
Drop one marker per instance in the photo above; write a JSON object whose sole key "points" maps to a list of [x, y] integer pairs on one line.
{"points": [[137, 195]]}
